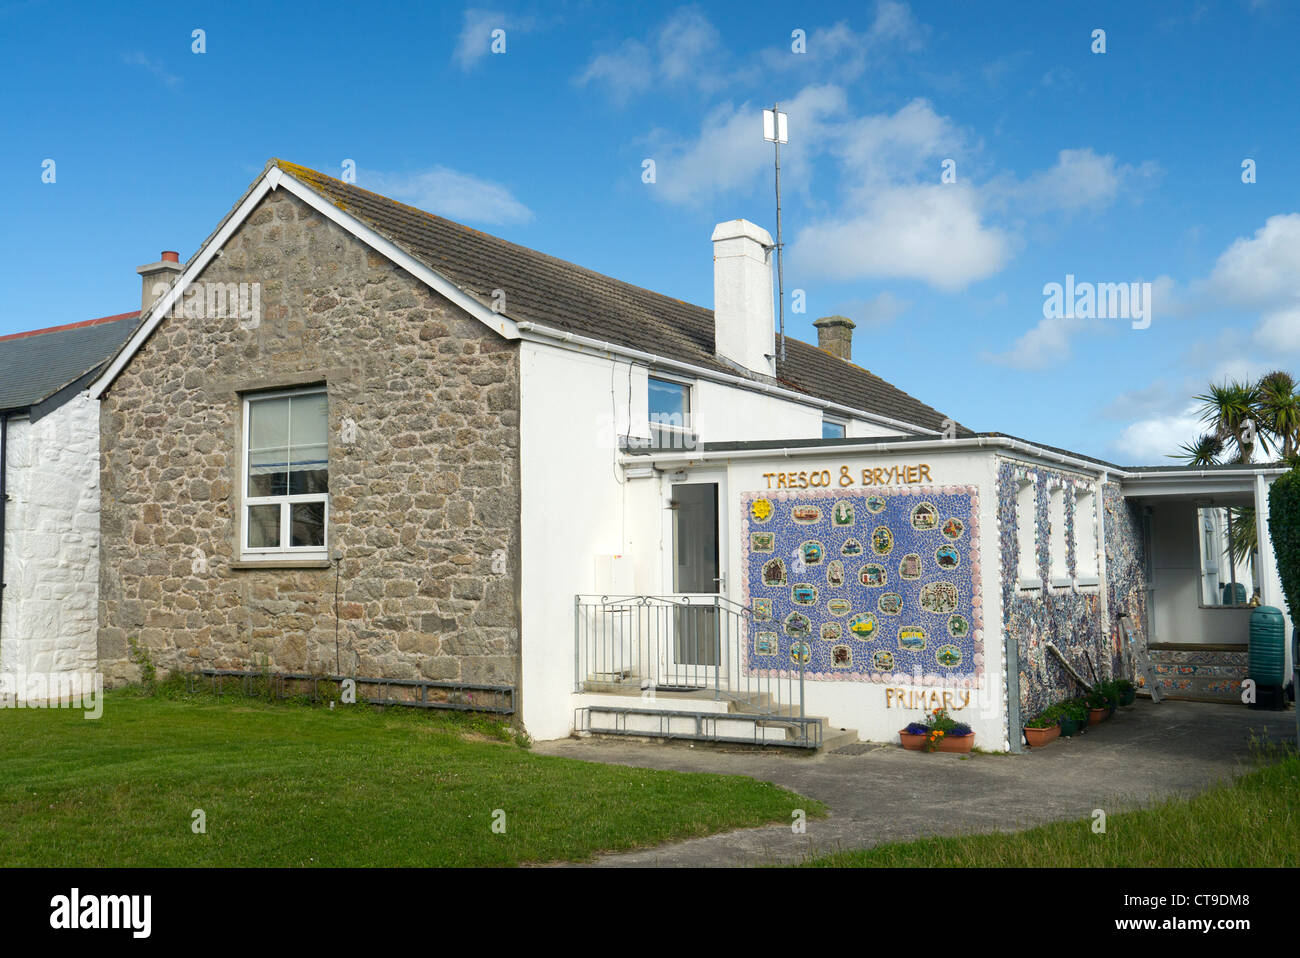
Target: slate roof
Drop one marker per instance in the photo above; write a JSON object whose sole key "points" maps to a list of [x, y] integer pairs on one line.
{"points": [[36, 365], [562, 295]]}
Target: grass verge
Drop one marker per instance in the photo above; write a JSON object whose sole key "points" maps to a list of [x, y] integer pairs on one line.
{"points": [[293, 785], [1251, 822]]}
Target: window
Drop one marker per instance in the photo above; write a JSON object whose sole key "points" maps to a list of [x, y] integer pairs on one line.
{"points": [[1059, 570], [286, 473], [832, 429], [1226, 580], [1026, 533], [1085, 534], [670, 413]]}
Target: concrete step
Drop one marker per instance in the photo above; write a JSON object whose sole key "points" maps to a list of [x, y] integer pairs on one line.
{"points": [[668, 723], [833, 738]]}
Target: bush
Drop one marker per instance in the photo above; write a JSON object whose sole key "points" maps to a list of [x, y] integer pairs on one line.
{"points": [[1284, 530]]}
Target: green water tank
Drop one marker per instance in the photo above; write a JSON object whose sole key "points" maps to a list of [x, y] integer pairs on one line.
{"points": [[1267, 647], [1234, 593]]}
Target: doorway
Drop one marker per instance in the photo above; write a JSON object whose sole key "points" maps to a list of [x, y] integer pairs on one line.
{"points": [[695, 652]]}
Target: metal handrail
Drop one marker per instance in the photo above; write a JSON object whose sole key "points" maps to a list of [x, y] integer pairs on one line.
{"points": [[693, 644]]}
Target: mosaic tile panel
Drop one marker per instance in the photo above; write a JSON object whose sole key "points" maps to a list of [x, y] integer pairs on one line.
{"points": [[870, 585], [1126, 580]]}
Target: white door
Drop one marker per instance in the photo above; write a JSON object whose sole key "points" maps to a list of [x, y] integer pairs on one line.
{"points": [[692, 650]]}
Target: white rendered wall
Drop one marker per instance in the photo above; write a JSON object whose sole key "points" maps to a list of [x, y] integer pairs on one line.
{"points": [[577, 506], [51, 542]]}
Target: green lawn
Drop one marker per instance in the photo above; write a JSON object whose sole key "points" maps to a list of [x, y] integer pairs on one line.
{"points": [[1253, 822], [291, 785]]}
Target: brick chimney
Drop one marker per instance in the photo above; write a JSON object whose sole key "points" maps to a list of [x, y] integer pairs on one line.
{"points": [[835, 335], [743, 325], [157, 277]]}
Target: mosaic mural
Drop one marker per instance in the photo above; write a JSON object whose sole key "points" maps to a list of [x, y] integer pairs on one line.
{"points": [[1125, 570], [868, 585], [1069, 620]]}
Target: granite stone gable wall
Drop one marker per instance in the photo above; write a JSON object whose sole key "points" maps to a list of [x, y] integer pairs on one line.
{"points": [[423, 473]]}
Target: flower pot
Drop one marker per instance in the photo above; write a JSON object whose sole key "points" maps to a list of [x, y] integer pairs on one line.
{"points": [[1038, 737], [1096, 715], [1069, 727], [957, 743], [914, 742]]}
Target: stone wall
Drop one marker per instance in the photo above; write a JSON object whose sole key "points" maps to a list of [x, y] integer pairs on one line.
{"points": [[51, 542], [424, 470]]}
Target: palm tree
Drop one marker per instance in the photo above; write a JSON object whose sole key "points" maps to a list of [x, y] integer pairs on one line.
{"points": [[1279, 410], [1205, 451], [1233, 413], [1244, 415]]}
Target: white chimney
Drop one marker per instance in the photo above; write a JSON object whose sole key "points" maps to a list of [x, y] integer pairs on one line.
{"points": [[744, 330]]}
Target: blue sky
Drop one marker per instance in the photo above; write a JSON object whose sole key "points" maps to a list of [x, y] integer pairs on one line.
{"points": [[1115, 167]]}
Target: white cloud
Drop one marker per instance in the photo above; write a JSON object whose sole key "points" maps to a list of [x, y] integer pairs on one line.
{"points": [[1047, 343], [1149, 441], [846, 53], [884, 228], [887, 147], [686, 51], [729, 154], [153, 66], [687, 42], [624, 72], [449, 193], [881, 310], [475, 39], [931, 233], [895, 25], [1280, 331], [1079, 179], [1261, 272]]}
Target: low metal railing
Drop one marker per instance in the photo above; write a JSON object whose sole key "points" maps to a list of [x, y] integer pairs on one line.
{"points": [[702, 644]]}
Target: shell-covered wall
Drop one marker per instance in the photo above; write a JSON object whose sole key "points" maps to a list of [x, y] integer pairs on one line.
{"points": [[1071, 620]]}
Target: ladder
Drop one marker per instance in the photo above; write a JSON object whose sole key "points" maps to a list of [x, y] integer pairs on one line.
{"points": [[1137, 657]]}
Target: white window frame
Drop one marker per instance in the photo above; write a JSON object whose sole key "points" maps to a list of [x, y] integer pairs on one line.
{"points": [[1087, 561], [285, 502], [1027, 533], [1058, 568], [687, 429], [834, 421]]}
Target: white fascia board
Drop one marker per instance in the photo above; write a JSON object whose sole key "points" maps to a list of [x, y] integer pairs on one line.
{"points": [[545, 335], [877, 446], [499, 323], [163, 306], [273, 179]]}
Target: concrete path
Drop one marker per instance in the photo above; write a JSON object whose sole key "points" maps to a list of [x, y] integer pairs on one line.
{"points": [[887, 794]]}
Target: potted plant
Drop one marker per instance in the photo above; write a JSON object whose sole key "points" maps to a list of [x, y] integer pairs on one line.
{"points": [[1043, 727], [913, 737], [1073, 717], [1126, 691], [1099, 705], [939, 733]]}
